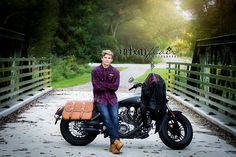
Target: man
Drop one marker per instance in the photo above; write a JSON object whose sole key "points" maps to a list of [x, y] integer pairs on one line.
{"points": [[106, 80]]}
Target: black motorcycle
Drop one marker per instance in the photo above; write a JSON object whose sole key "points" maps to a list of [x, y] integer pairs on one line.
{"points": [[173, 127]]}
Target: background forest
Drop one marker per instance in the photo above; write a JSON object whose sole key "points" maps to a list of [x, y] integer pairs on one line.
{"points": [[77, 30]]}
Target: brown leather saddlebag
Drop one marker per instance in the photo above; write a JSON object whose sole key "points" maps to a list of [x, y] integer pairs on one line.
{"points": [[78, 110]]}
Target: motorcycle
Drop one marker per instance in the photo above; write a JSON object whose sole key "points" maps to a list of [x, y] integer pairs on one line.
{"points": [[173, 127]]}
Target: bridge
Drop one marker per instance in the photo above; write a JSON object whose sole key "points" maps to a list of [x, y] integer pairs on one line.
{"points": [[206, 87]]}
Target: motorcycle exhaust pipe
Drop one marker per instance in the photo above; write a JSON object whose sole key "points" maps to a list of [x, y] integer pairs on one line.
{"points": [[94, 123], [92, 130]]}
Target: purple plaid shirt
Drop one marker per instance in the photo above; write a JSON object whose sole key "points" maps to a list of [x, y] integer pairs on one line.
{"points": [[105, 83]]}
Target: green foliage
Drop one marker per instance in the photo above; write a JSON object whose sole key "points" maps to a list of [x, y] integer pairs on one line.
{"points": [[84, 28], [67, 68], [156, 60], [147, 25], [211, 18], [72, 36], [181, 47], [103, 42], [36, 19]]}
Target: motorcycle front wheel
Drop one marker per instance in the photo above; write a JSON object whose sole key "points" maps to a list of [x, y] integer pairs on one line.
{"points": [[176, 132], [74, 134]]}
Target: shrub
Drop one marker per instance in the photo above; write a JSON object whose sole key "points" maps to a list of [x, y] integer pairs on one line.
{"points": [[68, 67]]}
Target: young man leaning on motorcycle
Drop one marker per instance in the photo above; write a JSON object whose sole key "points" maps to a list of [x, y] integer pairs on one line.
{"points": [[129, 118], [106, 80]]}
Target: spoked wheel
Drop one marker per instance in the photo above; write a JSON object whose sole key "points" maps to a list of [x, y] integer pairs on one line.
{"points": [[73, 132], [177, 132]]}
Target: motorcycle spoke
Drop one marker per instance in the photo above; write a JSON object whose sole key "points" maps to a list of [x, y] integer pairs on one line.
{"points": [[181, 128], [181, 137], [176, 131], [172, 136], [76, 130]]}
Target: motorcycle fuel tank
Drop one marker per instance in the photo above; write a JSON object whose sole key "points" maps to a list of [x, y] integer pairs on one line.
{"points": [[131, 100]]}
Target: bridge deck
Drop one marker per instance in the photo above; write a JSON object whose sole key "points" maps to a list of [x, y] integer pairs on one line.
{"points": [[33, 133]]}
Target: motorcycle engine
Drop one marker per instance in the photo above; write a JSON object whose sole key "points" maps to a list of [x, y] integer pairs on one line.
{"points": [[129, 118]]}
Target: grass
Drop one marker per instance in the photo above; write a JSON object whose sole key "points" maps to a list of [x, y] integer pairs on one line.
{"points": [[156, 60], [121, 68], [74, 81], [161, 72], [77, 80]]}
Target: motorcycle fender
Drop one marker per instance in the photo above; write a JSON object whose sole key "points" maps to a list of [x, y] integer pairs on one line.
{"points": [[176, 113], [58, 114], [59, 111]]}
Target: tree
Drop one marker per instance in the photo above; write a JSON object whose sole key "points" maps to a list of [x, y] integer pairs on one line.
{"points": [[36, 19], [84, 28], [154, 23], [211, 17]]}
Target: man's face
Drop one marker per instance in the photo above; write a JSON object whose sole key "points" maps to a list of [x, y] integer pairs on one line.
{"points": [[106, 60]]}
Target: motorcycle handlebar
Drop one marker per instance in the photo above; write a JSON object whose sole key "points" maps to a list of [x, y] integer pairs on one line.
{"points": [[131, 88], [136, 86]]}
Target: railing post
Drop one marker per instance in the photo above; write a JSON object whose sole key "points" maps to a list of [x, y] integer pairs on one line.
{"points": [[170, 81]]}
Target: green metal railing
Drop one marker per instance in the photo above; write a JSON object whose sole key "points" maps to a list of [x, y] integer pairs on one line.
{"points": [[212, 86], [218, 50], [21, 77]]}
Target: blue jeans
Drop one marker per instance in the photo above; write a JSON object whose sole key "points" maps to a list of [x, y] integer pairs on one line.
{"points": [[110, 119]]}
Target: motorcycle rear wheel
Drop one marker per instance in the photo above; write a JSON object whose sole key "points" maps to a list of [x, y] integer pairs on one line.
{"points": [[176, 133], [75, 135]]}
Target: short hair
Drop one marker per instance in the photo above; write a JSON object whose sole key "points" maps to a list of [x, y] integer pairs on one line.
{"points": [[107, 52]]}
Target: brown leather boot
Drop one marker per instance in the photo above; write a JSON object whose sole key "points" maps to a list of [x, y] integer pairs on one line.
{"points": [[118, 144], [113, 149]]}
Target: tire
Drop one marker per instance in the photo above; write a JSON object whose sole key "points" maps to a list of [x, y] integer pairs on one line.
{"points": [[172, 136], [75, 137]]}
